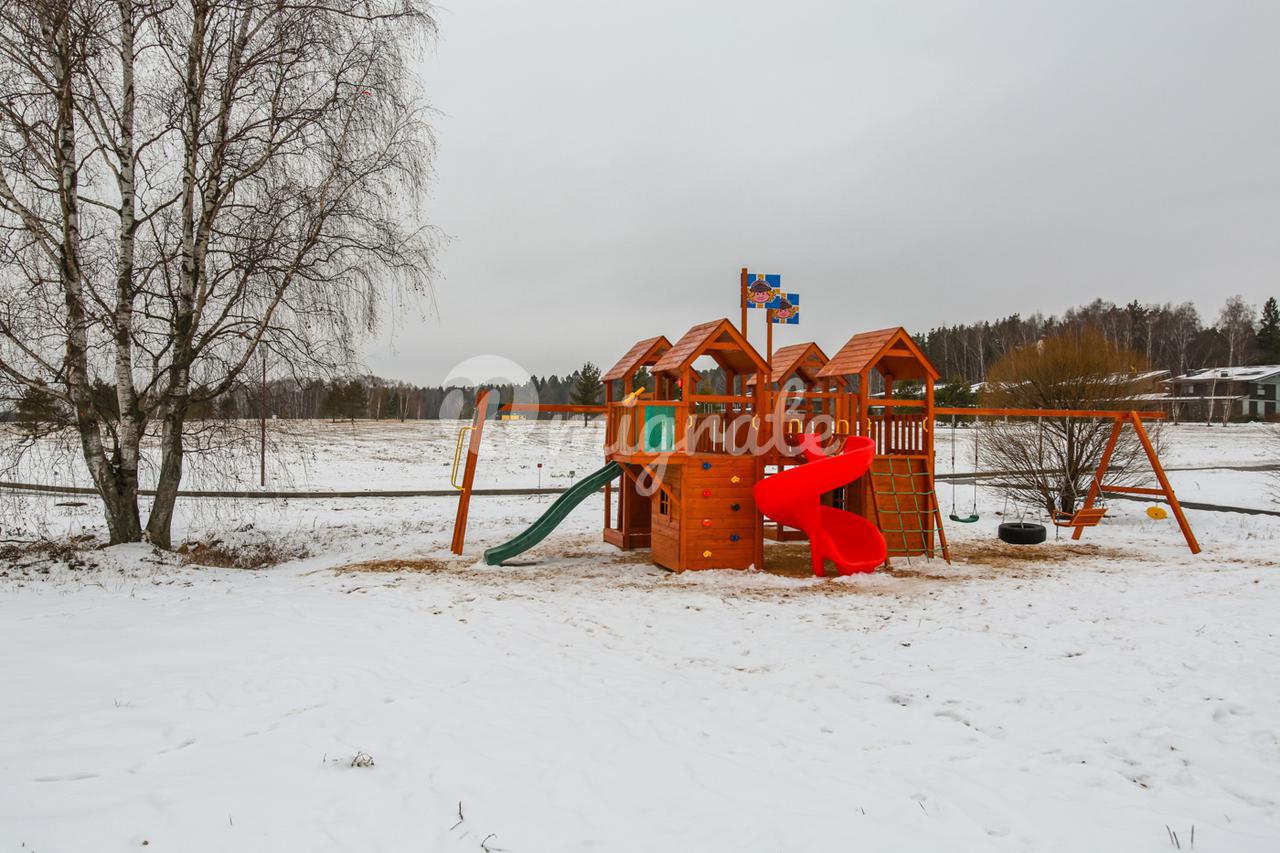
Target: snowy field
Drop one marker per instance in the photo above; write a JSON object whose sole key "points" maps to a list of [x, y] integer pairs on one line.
{"points": [[1094, 696]]}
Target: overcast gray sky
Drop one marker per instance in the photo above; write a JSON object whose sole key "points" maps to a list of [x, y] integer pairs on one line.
{"points": [[606, 168]]}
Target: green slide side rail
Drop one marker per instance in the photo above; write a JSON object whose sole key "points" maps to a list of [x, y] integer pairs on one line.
{"points": [[555, 514]]}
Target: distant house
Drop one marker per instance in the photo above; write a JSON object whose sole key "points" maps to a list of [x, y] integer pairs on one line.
{"points": [[1236, 393]]}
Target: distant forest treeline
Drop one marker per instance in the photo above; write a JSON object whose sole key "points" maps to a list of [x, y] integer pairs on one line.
{"points": [[382, 399], [1168, 337]]}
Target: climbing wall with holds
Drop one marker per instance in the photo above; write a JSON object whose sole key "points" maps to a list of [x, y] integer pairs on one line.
{"points": [[707, 519]]}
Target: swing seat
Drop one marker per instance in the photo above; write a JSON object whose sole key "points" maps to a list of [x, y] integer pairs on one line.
{"points": [[1080, 518], [963, 519]]}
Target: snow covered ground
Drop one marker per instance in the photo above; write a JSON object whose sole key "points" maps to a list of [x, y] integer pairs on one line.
{"points": [[1072, 697]]}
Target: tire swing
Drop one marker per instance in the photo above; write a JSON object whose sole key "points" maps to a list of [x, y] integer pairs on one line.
{"points": [[973, 512], [1022, 532]]}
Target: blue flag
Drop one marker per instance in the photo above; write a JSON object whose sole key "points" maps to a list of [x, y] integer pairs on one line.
{"points": [[786, 309], [762, 290]]}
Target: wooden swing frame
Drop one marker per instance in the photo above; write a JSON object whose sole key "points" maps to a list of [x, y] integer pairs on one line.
{"points": [[1089, 515]]}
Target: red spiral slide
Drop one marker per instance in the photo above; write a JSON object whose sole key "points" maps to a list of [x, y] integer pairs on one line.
{"points": [[793, 497]]}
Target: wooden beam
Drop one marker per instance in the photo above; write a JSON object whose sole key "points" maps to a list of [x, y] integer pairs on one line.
{"points": [[550, 407], [719, 398], [1150, 449], [1047, 413], [1131, 490], [896, 403]]}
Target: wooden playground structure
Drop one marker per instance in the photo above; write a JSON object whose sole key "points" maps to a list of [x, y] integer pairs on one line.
{"points": [[686, 457]]}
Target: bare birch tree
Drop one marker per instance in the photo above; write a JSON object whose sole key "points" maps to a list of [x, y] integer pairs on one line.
{"points": [[1236, 323], [186, 182]]}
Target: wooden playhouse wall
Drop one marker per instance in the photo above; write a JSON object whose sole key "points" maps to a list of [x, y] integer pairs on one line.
{"points": [[711, 522]]}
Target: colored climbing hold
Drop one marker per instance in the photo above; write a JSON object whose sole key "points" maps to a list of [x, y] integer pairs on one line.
{"points": [[733, 537], [706, 493], [706, 466], [706, 522], [706, 553], [735, 507], [734, 479]]}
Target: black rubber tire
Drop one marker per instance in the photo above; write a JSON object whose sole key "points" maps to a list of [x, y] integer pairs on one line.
{"points": [[1022, 533]]}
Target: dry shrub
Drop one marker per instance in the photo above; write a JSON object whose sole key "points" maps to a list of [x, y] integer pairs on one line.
{"points": [[42, 554], [1049, 462], [239, 555]]}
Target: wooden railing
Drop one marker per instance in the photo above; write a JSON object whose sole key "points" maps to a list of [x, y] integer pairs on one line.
{"points": [[896, 430], [699, 432], [900, 434]]}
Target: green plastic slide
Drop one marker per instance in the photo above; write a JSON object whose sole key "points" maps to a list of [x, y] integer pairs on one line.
{"points": [[555, 514]]}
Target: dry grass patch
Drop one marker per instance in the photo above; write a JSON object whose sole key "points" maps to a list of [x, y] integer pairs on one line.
{"points": [[791, 560], [425, 565], [1002, 555], [617, 558]]}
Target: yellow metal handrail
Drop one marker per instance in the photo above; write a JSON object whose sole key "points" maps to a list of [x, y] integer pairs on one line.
{"points": [[457, 457]]}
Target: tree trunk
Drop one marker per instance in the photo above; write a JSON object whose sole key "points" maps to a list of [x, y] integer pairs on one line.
{"points": [[1067, 495], [160, 522], [116, 481]]}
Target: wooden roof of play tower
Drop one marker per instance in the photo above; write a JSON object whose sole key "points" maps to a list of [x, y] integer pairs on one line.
{"points": [[643, 354], [803, 360], [891, 351], [718, 339]]}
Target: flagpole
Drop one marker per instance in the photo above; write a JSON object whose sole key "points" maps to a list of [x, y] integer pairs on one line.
{"points": [[768, 347], [742, 299]]}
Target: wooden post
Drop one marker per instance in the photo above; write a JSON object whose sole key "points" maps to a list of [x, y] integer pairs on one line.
{"points": [[926, 426], [1095, 486], [609, 444], [1164, 483], [1103, 464], [757, 549], [682, 411], [864, 405], [262, 426], [742, 298], [469, 473], [768, 347]]}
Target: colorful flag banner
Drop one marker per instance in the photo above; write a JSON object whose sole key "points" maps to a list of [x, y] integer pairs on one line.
{"points": [[762, 289], [786, 309]]}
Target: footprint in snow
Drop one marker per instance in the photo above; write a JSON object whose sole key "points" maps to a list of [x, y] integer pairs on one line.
{"points": [[69, 777], [1224, 712]]}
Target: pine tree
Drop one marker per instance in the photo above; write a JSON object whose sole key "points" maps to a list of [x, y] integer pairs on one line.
{"points": [[1269, 333], [38, 410], [355, 400], [586, 387]]}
